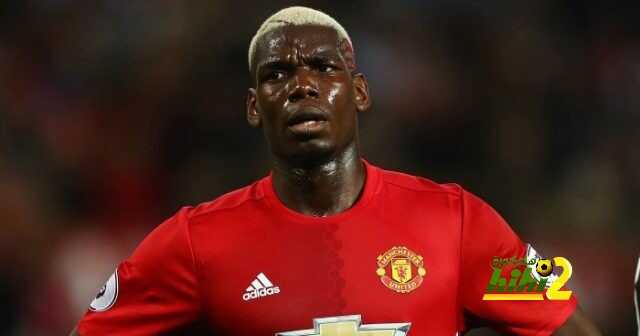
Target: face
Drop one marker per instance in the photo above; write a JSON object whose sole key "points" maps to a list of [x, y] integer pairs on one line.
{"points": [[306, 97]]}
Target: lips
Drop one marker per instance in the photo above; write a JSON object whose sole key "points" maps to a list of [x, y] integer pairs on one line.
{"points": [[307, 115], [307, 122]]}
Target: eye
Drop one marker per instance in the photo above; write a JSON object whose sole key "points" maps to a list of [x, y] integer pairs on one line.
{"points": [[273, 76], [326, 68]]}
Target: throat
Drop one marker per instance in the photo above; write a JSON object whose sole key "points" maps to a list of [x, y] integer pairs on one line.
{"points": [[323, 190]]}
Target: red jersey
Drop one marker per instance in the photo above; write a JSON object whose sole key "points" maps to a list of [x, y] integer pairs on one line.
{"points": [[411, 257]]}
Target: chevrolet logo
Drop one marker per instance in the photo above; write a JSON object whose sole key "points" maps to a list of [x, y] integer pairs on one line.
{"points": [[350, 325]]}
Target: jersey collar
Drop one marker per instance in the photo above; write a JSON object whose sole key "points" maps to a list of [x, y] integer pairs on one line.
{"points": [[371, 184]]}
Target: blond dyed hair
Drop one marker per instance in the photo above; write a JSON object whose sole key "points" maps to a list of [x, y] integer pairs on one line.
{"points": [[296, 16]]}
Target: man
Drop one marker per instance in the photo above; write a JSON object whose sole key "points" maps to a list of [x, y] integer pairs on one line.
{"points": [[328, 244]]}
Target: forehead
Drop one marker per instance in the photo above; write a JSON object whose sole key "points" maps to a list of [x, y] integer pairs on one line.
{"points": [[305, 38]]}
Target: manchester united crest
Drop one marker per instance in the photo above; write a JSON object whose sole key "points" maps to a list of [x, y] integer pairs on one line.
{"points": [[401, 269]]}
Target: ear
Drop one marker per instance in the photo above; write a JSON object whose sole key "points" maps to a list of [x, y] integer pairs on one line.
{"points": [[362, 97], [253, 116]]}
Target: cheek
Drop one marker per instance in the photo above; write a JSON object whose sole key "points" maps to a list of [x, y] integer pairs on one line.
{"points": [[272, 93], [333, 92], [269, 98], [338, 94]]}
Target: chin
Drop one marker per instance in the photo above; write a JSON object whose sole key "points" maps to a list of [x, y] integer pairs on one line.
{"points": [[312, 153]]}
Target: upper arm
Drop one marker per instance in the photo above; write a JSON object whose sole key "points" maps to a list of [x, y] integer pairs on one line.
{"points": [[485, 235], [153, 291]]}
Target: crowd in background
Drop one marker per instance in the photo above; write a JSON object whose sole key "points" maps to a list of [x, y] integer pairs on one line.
{"points": [[113, 114]]}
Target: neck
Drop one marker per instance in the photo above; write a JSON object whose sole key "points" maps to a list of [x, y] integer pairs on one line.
{"points": [[322, 190]]}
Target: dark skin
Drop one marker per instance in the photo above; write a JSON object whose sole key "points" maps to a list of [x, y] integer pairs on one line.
{"points": [[307, 100]]}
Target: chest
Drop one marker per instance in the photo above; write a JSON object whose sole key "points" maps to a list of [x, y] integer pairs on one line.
{"points": [[280, 276]]}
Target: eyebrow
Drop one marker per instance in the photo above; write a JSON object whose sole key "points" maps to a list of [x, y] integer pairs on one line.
{"points": [[322, 53], [273, 65]]}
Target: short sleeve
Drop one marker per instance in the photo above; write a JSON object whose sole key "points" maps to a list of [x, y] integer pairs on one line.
{"points": [[486, 235], [152, 292]]}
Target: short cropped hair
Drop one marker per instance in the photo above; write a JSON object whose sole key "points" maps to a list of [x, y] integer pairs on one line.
{"points": [[297, 16]]}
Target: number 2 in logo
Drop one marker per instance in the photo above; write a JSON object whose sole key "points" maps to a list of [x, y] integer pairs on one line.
{"points": [[554, 292]]}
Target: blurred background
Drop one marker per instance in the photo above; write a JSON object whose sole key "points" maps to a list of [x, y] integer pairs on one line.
{"points": [[113, 114]]}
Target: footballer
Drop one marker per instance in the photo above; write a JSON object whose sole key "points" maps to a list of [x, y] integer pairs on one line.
{"points": [[327, 244]]}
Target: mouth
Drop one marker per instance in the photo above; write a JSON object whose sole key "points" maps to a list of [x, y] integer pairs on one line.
{"points": [[307, 122]]}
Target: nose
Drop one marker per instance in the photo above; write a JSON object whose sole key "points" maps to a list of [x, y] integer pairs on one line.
{"points": [[303, 87]]}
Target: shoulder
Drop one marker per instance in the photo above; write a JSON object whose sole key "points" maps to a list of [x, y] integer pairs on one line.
{"points": [[425, 191], [177, 230], [412, 183], [400, 180], [235, 200]]}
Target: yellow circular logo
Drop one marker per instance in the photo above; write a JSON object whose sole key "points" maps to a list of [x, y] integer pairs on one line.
{"points": [[401, 269], [544, 267]]}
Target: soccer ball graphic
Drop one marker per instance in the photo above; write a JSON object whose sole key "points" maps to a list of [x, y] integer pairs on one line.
{"points": [[544, 267]]}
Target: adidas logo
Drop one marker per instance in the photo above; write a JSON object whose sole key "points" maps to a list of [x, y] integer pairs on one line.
{"points": [[260, 287]]}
